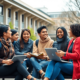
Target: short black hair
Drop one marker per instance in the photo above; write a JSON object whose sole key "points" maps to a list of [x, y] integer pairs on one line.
{"points": [[75, 28], [13, 31], [40, 28]]}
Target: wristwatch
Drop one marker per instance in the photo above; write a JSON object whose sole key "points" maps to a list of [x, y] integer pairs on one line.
{"points": [[65, 54]]}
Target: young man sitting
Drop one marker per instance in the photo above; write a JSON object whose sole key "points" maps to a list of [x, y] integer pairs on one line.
{"points": [[40, 63]]}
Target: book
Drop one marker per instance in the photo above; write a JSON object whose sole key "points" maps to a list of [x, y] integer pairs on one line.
{"points": [[37, 55]]}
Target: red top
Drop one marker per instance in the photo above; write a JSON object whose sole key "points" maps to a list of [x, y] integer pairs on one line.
{"points": [[75, 56]]}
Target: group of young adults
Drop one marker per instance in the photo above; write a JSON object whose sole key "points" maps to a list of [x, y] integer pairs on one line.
{"points": [[40, 67]]}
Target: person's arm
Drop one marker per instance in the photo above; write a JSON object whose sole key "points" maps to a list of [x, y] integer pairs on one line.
{"points": [[17, 48], [51, 45], [76, 54], [0, 49], [35, 49], [31, 48]]}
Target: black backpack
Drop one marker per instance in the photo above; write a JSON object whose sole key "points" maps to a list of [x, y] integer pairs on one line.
{"points": [[36, 42]]}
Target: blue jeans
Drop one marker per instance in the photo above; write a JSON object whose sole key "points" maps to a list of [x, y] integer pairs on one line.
{"points": [[28, 64], [55, 69], [38, 64]]}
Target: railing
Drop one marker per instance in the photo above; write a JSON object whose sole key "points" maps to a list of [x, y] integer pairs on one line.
{"points": [[1, 19]]}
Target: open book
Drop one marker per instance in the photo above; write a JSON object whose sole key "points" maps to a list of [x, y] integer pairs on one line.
{"points": [[36, 55]]}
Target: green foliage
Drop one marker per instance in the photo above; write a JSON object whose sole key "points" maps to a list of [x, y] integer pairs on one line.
{"points": [[33, 37], [11, 25]]}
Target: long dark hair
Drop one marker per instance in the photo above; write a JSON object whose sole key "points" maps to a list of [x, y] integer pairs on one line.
{"points": [[21, 38], [3, 28], [64, 41]]}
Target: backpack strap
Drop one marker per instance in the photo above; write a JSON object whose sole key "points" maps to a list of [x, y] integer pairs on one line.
{"points": [[36, 42]]}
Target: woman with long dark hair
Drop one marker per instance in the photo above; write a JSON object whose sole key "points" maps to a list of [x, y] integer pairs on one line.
{"points": [[72, 54], [24, 46], [6, 53], [61, 43], [14, 36]]}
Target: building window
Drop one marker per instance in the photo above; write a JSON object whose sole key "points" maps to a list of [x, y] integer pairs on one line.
{"points": [[16, 15], [9, 13], [1, 10], [22, 18]]}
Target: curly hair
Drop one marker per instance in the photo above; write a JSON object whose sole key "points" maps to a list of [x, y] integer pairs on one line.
{"points": [[75, 28]]}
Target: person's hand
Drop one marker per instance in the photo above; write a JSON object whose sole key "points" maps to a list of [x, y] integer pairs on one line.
{"points": [[42, 57], [60, 53], [28, 54], [8, 62]]}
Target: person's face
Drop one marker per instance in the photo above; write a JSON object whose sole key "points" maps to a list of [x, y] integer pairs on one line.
{"points": [[26, 35], [15, 37], [8, 33], [43, 34], [60, 33], [70, 33]]}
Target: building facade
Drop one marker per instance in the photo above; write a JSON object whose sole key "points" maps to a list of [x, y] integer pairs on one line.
{"points": [[22, 15]]}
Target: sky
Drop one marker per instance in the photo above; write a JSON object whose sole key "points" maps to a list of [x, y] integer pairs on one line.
{"points": [[51, 5]]}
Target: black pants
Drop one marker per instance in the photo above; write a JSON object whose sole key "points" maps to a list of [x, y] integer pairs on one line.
{"points": [[17, 68]]}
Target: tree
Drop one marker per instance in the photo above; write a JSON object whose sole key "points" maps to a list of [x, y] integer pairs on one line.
{"points": [[73, 13], [33, 37], [11, 25]]}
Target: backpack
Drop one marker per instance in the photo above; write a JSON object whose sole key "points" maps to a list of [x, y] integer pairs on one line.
{"points": [[36, 42]]}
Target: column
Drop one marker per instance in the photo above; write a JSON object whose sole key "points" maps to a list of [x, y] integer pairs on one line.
{"points": [[37, 28], [33, 25], [6, 13], [20, 23], [25, 21], [13, 10], [29, 22]]}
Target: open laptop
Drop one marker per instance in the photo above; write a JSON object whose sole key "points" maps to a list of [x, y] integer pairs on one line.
{"points": [[17, 58], [52, 55]]}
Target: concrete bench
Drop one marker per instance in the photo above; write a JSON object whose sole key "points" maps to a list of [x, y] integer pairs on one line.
{"points": [[13, 76]]}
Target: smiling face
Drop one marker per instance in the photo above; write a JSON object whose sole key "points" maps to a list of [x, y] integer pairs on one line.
{"points": [[26, 36], [15, 37], [60, 33], [43, 34]]}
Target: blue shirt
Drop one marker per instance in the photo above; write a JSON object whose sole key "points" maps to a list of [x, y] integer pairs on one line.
{"points": [[58, 45], [0, 45], [14, 43], [28, 47], [70, 48]]}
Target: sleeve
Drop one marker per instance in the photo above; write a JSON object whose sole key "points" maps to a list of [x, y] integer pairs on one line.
{"points": [[76, 54], [35, 49], [0, 49], [51, 45], [31, 48], [17, 48]]}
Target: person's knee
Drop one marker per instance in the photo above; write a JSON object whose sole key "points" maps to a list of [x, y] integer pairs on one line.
{"points": [[17, 62], [32, 59], [57, 64]]}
